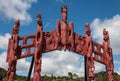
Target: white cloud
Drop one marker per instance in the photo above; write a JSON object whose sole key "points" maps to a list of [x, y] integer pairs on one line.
{"points": [[113, 26], [4, 41], [16, 9], [60, 63], [99, 67], [118, 71], [23, 67], [117, 62], [3, 63]]}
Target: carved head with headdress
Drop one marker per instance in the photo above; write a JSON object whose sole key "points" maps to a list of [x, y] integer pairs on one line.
{"points": [[106, 35], [87, 29], [64, 13], [39, 19], [15, 29]]}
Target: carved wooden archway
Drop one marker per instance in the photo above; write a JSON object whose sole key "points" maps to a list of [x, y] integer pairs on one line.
{"points": [[62, 37]]}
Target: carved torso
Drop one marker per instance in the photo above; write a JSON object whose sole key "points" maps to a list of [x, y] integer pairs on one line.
{"points": [[63, 33], [88, 45]]}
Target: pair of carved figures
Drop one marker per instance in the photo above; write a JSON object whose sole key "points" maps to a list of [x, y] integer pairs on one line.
{"points": [[12, 52]]}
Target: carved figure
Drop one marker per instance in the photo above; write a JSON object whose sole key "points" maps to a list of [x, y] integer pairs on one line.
{"points": [[38, 50], [12, 53], [65, 30], [57, 35], [106, 45], [39, 34], [108, 55], [88, 40]]}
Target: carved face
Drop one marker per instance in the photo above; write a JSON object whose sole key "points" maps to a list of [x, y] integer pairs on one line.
{"points": [[64, 14], [39, 19], [88, 32], [12, 74], [87, 29], [15, 30], [106, 37]]}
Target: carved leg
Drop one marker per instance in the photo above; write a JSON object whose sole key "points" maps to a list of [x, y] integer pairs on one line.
{"points": [[91, 69], [37, 68], [110, 74], [11, 71]]}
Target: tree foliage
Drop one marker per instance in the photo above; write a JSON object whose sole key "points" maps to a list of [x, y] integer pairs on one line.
{"points": [[101, 76]]}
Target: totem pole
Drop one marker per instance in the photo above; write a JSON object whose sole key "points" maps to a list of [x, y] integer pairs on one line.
{"points": [[108, 55], [38, 50], [12, 52]]}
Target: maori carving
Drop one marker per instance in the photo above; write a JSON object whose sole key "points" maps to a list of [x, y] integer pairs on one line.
{"points": [[91, 69], [88, 50], [106, 45], [57, 36], [38, 50], [88, 41], [79, 44], [63, 27], [12, 52], [63, 37], [65, 31], [108, 55], [48, 38], [51, 41]]}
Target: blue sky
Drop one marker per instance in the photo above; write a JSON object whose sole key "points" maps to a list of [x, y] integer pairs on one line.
{"points": [[98, 13]]}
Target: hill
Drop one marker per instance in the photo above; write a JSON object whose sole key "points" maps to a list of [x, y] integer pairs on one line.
{"points": [[101, 76]]}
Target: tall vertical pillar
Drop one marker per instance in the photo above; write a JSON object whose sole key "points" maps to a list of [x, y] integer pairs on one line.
{"points": [[38, 50], [89, 62], [12, 52], [108, 55], [37, 67], [110, 67]]}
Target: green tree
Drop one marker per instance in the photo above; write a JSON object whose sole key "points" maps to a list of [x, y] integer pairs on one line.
{"points": [[70, 75]]}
